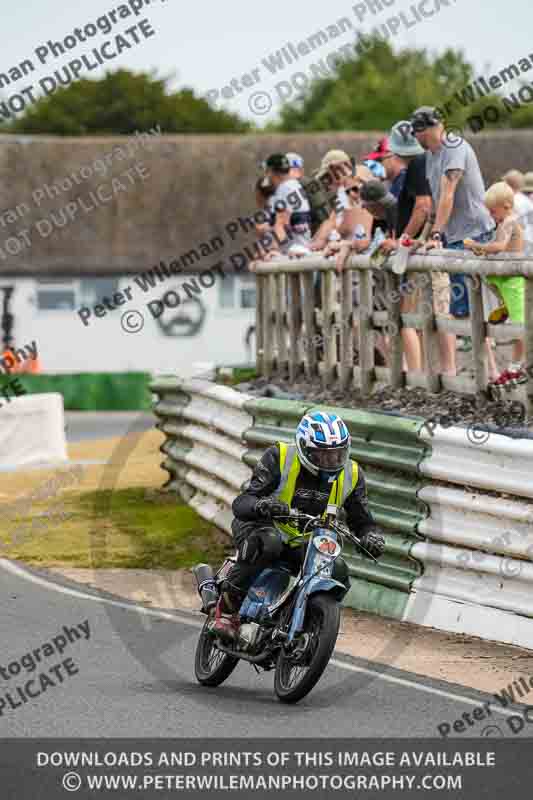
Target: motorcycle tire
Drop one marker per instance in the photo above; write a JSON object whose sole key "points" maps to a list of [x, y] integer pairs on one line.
{"points": [[322, 620], [211, 666]]}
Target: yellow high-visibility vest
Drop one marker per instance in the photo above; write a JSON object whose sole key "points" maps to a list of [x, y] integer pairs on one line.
{"points": [[290, 466]]}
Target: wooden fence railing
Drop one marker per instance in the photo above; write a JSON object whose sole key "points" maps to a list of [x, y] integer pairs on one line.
{"points": [[292, 321]]}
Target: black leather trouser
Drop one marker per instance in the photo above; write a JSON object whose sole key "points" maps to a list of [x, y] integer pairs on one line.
{"points": [[260, 546]]}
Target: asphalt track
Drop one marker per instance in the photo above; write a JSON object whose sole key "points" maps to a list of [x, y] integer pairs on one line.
{"points": [[135, 678], [82, 426]]}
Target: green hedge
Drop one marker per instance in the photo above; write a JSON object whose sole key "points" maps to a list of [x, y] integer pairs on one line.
{"points": [[93, 391]]}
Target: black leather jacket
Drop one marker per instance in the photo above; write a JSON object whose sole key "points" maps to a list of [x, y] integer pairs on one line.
{"points": [[311, 496]]}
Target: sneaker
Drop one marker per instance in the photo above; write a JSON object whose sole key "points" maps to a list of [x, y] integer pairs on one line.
{"points": [[499, 385], [517, 375], [226, 626], [506, 381], [504, 377]]}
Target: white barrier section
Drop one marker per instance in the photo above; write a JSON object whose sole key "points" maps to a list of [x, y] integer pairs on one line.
{"points": [[478, 548], [32, 431], [205, 447], [500, 464]]}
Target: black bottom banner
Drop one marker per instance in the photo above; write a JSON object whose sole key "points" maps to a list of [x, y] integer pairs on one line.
{"points": [[294, 768]]}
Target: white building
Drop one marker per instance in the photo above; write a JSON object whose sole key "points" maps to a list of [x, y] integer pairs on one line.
{"points": [[209, 323]]}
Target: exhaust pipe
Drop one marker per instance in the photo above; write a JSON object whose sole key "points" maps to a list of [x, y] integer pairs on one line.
{"points": [[207, 587]]}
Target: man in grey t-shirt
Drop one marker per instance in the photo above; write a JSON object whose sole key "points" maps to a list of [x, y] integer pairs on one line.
{"points": [[458, 195]]}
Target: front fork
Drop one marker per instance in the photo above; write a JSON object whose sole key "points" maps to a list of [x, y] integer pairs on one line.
{"points": [[310, 588]]}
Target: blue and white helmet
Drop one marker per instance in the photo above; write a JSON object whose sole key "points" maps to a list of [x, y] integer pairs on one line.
{"points": [[323, 443]]}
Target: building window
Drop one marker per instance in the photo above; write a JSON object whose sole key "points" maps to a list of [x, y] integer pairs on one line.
{"points": [[247, 291], [226, 294], [56, 295], [93, 290], [237, 292]]}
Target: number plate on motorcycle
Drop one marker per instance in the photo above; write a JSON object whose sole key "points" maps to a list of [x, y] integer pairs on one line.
{"points": [[326, 545]]}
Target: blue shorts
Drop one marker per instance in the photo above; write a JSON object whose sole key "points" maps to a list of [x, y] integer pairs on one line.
{"points": [[459, 304]]}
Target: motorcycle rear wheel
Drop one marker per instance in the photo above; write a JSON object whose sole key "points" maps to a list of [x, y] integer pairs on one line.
{"points": [[211, 665], [295, 677]]}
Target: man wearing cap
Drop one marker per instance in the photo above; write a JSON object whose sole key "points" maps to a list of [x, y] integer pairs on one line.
{"points": [[288, 206], [382, 204], [405, 167], [458, 194], [335, 170], [382, 147]]}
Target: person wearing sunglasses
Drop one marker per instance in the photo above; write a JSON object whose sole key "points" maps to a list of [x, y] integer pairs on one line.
{"points": [[353, 218]]}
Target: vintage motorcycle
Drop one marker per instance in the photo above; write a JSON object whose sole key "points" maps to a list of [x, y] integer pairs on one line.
{"points": [[289, 622]]}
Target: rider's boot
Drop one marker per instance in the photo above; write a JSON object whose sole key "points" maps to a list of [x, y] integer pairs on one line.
{"points": [[227, 623]]}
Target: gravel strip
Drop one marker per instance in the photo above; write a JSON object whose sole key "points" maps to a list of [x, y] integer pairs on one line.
{"points": [[506, 416]]}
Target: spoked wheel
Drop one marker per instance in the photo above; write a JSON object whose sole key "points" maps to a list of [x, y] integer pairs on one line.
{"points": [[211, 665], [300, 669]]}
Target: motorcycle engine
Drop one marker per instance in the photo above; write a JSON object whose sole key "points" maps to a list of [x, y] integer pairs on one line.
{"points": [[248, 634]]}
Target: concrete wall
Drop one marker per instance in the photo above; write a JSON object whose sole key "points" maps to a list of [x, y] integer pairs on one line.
{"points": [[184, 191]]}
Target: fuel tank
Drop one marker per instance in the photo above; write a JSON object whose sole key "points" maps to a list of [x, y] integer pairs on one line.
{"points": [[264, 594]]}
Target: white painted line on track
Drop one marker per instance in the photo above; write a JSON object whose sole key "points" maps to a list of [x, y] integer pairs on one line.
{"points": [[56, 587], [420, 686], [14, 569]]}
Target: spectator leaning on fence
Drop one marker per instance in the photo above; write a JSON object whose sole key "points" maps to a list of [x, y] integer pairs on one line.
{"points": [[405, 166], [337, 168], [458, 194], [510, 289], [360, 218], [383, 206], [523, 206]]}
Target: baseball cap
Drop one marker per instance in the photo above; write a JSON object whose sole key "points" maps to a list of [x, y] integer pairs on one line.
{"points": [[402, 141], [382, 147], [376, 192], [333, 157], [278, 162], [295, 160], [424, 117]]}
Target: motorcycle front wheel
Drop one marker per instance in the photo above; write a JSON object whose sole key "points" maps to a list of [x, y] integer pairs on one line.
{"points": [[211, 665], [299, 670]]}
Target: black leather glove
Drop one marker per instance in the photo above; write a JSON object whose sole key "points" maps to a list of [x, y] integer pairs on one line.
{"points": [[269, 507], [373, 542]]}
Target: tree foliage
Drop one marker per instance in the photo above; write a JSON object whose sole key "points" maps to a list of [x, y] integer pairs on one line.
{"points": [[378, 87], [123, 102]]}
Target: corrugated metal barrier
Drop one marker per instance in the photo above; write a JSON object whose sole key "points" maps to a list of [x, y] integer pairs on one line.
{"points": [[455, 559]]}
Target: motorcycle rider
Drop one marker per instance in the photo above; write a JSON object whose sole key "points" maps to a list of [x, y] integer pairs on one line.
{"points": [[306, 476]]}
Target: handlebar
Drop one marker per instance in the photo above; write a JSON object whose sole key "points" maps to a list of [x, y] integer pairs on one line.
{"points": [[336, 524]]}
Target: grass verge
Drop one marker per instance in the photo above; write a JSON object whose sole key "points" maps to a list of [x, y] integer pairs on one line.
{"points": [[128, 528]]}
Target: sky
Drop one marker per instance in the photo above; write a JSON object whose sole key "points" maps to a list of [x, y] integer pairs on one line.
{"points": [[205, 46]]}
